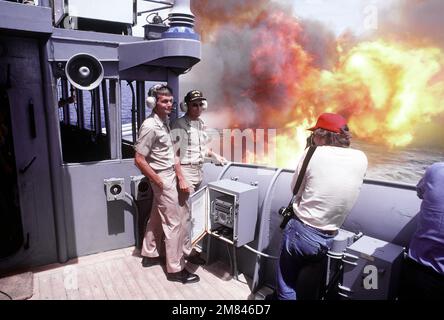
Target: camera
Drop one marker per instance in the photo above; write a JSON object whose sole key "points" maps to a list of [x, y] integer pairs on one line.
{"points": [[286, 212]]}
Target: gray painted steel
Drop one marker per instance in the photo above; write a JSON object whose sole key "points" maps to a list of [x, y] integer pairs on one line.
{"points": [[378, 259], [145, 52], [15, 17], [63, 206], [385, 211], [55, 156], [93, 223], [395, 209], [243, 198], [33, 177]]}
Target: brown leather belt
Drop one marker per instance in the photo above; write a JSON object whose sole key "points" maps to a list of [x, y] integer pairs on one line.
{"points": [[165, 169], [192, 165], [327, 232]]}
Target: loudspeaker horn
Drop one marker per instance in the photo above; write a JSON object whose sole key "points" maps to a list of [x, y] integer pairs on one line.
{"points": [[84, 71]]}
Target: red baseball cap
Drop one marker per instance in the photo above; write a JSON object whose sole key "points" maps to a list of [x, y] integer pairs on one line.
{"points": [[330, 121]]}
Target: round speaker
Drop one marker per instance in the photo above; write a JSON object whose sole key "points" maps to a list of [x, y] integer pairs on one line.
{"points": [[84, 71], [143, 186], [115, 189]]}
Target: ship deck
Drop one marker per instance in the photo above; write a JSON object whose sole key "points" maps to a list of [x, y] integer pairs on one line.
{"points": [[119, 275]]}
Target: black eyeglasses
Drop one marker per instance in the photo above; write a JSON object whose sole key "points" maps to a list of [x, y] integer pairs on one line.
{"points": [[197, 104]]}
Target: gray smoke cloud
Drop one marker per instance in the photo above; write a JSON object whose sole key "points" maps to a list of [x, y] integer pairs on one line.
{"points": [[228, 30], [320, 43], [224, 72], [420, 20]]}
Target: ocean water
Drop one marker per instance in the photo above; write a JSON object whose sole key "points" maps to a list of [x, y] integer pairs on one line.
{"points": [[406, 165]]}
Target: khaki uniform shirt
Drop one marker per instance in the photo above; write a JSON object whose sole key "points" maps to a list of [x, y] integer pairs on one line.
{"points": [[154, 142], [190, 138]]}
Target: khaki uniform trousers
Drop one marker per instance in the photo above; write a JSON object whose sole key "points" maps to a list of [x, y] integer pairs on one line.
{"points": [[193, 176], [163, 231]]}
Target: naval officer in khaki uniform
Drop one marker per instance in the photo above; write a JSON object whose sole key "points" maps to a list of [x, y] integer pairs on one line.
{"points": [[190, 143], [155, 158]]}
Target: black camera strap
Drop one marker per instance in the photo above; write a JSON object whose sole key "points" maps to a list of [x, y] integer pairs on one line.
{"points": [[301, 175]]}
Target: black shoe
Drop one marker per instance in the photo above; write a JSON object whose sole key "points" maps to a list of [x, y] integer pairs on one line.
{"points": [[149, 262], [183, 276], [195, 259]]}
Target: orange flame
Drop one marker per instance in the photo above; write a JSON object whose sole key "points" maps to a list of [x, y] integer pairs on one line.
{"points": [[400, 86], [385, 89]]}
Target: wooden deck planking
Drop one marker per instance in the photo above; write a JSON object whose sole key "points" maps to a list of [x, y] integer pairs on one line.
{"points": [[170, 288], [83, 283], [57, 286], [119, 275], [156, 282], [133, 288], [145, 286], [216, 283], [206, 290], [45, 287], [117, 279], [73, 294], [184, 290], [107, 282], [36, 288], [94, 282]]}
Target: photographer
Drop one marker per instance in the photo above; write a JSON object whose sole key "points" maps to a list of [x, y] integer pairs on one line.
{"points": [[326, 195]]}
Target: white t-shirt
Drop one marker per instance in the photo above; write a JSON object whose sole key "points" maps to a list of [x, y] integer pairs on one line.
{"points": [[330, 187]]}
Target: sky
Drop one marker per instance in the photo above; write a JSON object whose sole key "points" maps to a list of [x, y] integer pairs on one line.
{"points": [[342, 15], [338, 15], [142, 6]]}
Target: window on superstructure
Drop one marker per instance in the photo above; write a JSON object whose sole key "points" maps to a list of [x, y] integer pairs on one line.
{"points": [[84, 120]]}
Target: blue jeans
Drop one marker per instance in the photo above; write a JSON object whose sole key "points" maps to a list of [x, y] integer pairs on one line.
{"points": [[301, 245]]}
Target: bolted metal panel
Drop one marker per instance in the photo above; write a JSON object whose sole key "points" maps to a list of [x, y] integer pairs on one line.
{"points": [[238, 207], [371, 270], [115, 189]]}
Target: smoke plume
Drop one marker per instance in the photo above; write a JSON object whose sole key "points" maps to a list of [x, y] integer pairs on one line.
{"points": [[264, 68]]}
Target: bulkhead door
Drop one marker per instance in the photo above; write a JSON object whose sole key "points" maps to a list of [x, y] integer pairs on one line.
{"points": [[23, 112]]}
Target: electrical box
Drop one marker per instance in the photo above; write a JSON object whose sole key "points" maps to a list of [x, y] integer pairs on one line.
{"points": [[371, 269], [226, 209], [115, 189], [140, 188]]}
